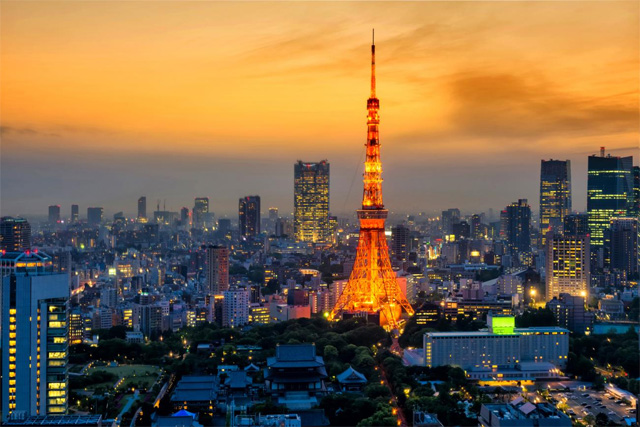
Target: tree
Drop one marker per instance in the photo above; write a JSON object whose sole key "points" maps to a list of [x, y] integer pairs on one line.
{"points": [[602, 419], [330, 352]]}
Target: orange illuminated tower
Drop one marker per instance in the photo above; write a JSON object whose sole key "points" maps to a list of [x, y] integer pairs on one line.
{"points": [[372, 286]]}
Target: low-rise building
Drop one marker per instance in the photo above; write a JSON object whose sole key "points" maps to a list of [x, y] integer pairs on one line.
{"points": [[520, 413], [500, 347]]}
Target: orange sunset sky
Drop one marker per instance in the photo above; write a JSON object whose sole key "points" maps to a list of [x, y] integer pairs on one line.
{"points": [[102, 102]]}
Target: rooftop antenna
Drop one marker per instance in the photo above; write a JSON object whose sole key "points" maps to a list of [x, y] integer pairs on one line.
{"points": [[373, 63]]}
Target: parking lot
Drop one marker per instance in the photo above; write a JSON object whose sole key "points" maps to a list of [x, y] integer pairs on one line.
{"points": [[583, 402]]}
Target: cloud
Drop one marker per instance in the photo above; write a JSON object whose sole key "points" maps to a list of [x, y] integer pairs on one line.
{"points": [[23, 131]]}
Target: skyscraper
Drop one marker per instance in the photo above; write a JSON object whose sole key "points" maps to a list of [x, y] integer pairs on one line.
{"points": [[311, 201], [249, 216], [400, 243], [94, 215], [75, 213], [15, 234], [372, 288], [634, 211], [34, 343], [142, 208], [576, 225], [623, 244], [54, 214], [555, 193], [518, 222], [217, 265], [568, 265], [200, 208], [449, 217], [609, 194]]}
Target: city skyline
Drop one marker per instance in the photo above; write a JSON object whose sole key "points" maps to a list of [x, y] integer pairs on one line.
{"points": [[203, 108]]}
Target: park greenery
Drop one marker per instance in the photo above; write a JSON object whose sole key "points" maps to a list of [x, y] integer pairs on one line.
{"points": [[392, 387]]}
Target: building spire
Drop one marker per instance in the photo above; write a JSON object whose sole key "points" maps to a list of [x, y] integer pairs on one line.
{"points": [[373, 64]]}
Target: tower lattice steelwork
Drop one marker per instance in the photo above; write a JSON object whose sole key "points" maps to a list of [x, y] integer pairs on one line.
{"points": [[372, 286]]}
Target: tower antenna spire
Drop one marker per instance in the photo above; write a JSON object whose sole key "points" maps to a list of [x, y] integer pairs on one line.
{"points": [[373, 63]]}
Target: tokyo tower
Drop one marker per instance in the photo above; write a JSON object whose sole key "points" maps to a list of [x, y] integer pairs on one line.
{"points": [[372, 287]]}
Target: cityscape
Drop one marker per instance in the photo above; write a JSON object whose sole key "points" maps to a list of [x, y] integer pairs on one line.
{"points": [[139, 295]]}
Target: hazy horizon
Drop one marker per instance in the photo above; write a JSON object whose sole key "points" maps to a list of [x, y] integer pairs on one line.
{"points": [[103, 102]]}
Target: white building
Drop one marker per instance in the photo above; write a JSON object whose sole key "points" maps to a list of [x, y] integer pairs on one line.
{"points": [[235, 307], [502, 346]]}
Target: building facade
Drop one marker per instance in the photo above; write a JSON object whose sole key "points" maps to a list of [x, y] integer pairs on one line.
{"points": [[235, 307], [311, 201], [624, 242], [609, 194], [15, 234], [501, 346], [249, 216], [217, 269], [568, 266], [555, 193], [35, 344]]}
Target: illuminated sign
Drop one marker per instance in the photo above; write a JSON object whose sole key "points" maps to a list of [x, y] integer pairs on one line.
{"points": [[503, 325]]}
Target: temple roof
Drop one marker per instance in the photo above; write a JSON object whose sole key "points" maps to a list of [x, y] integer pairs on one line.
{"points": [[351, 376]]}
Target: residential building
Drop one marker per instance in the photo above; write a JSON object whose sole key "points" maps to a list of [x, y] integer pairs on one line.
{"points": [[235, 307], [217, 269], [567, 266]]}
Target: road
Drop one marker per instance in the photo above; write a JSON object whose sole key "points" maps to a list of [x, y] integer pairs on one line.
{"points": [[402, 422]]}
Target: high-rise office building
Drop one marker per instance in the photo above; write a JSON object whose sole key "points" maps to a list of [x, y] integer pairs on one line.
{"points": [[94, 215], [75, 213], [518, 222], [568, 265], [555, 193], [34, 343], [634, 211], [273, 214], [54, 214], [142, 208], [478, 229], [15, 234], [249, 216], [400, 243], [217, 269], [623, 245], [609, 195], [576, 225], [449, 217], [184, 216], [200, 209], [235, 308], [311, 201]]}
